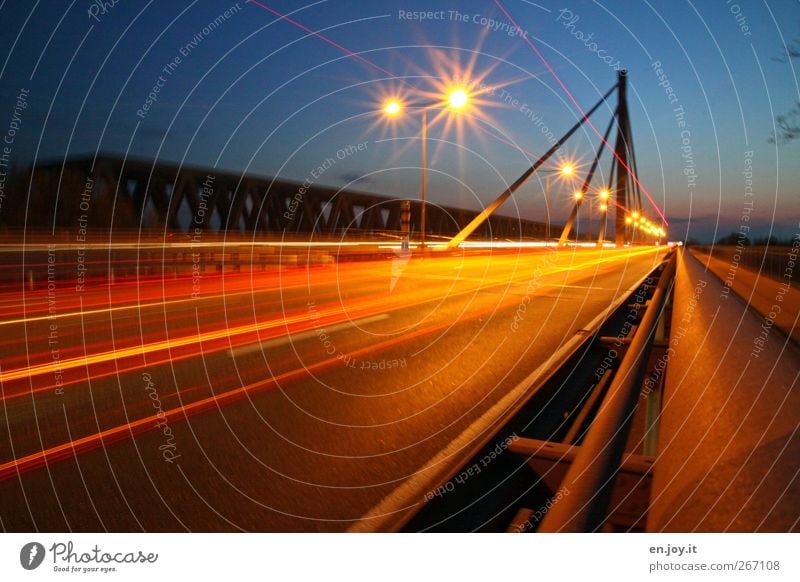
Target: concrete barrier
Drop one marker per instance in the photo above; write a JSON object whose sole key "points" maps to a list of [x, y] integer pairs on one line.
{"points": [[729, 446]]}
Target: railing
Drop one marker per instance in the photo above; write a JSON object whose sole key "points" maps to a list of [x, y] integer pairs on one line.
{"points": [[590, 479]]}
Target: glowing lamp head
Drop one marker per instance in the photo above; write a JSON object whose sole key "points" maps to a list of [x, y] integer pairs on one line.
{"points": [[458, 99], [628, 220], [392, 108], [603, 207], [567, 170], [604, 194], [579, 195]]}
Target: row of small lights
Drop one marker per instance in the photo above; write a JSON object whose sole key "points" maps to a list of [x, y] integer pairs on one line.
{"points": [[634, 219], [641, 223]]}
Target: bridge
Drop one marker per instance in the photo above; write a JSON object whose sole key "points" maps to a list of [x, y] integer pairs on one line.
{"points": [[158, 196], [209, 351]]}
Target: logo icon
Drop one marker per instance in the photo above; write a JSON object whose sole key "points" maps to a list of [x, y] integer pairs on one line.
{"points": [[31, 555]]}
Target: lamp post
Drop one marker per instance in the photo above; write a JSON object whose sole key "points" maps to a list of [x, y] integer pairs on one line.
{"points": [[568, 171], [457, 99], [424, 181], [579, 196], [603, 196]]}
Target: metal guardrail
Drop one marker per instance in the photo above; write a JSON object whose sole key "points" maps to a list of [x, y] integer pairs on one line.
{"points": [[590, 479], [537, 432]]}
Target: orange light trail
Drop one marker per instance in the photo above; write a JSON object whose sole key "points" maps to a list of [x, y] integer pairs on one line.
{"points": [[588, 260], [239, 335]]}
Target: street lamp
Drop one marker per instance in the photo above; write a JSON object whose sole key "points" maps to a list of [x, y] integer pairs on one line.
{"points": [[457, 99], [604, 196], [392, 108]]}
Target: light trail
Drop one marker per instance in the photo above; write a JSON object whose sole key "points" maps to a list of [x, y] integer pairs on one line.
{"points": [[226, 337], [149, 422], [297, 337]]}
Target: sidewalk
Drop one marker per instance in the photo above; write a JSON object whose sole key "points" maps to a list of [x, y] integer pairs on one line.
{"points": [[760, 292]]}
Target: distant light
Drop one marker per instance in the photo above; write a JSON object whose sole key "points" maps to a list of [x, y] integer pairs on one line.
{"points": [[628, 220], [567, 169], [578, 195], [458, 99], [604, 194], [392, 108], [635, 215], [603, 207]]}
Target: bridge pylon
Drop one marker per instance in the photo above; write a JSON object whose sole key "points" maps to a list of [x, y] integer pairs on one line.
{"points": [[623, 187]]}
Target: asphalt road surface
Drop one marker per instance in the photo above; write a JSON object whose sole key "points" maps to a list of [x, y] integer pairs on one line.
{"points": [[292, 399]]}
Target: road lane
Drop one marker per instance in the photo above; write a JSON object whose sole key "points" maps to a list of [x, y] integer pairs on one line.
{"points": [[325, 436]]}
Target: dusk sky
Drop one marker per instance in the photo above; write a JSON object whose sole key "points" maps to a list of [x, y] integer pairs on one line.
{"points": [[242, 89]]}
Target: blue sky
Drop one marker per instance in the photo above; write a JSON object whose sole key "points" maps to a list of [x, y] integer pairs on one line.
{"points": [[259, 94]]}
